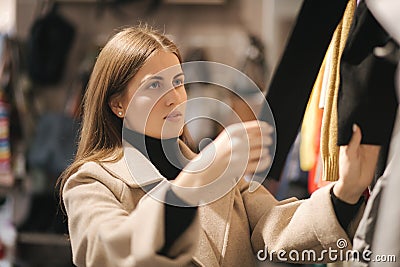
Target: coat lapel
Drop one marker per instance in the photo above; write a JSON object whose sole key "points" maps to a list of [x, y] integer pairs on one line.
{"points": [[137, 171], [215, 220], [134, 168]]}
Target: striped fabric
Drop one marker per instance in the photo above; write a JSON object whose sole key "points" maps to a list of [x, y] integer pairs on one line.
{"points": [[6, 176]]}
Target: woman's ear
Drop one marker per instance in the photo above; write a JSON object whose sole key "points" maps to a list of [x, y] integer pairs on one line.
{"points": [[116, 106]]}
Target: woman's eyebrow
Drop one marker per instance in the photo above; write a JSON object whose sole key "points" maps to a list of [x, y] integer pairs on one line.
{"points": [[179, 74], [151, 78]]}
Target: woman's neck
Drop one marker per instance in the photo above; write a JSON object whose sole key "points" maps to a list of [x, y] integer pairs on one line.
{"points": [[163, 153]]}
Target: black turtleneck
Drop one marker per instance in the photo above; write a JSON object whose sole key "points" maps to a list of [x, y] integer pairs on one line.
{"points": [[164, 155]]}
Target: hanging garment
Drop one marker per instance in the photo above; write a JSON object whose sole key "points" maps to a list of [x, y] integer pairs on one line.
{"points": [[293, 182], [387, 13], [54, 144], [6, 175], [378, 230], [381, 210], [325, 81], [366, 94], [364, 234], [329, 148], [311, 126], [49, 43], [295, 75], [386, 239], [310, 156]]}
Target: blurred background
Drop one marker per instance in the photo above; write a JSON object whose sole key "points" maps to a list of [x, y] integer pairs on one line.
{"points": [[47, 50]]}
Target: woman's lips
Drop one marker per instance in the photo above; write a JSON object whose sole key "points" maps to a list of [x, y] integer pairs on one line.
{"points": [[174, 116]]}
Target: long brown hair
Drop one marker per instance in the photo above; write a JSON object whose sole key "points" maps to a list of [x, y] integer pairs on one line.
{"points": [[117, 63]]}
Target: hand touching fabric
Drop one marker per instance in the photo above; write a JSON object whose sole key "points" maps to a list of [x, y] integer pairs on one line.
{"points": [[242, 148], [357, 165]]}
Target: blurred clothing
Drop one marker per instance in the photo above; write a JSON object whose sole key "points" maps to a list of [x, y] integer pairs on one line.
{"points": [[329, 148], [295, 75]]}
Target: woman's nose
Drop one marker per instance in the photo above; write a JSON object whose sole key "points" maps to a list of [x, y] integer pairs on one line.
{"points": [[173, 97]]}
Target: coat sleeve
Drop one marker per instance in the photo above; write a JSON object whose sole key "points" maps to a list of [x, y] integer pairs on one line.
{"points": [[103, 233], [296, 225]]}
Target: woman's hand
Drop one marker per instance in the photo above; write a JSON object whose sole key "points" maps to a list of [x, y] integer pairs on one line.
{"points": [[240, 149], [357, 165]]}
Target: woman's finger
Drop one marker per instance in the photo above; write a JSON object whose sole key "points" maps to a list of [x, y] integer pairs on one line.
{"points": [[258, 165], [355, 140], [259, 160]]}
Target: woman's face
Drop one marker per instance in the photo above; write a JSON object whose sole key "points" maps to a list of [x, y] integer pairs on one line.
{"points": [[156, 98]]}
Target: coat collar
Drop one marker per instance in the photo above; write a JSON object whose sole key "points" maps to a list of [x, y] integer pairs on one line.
{"points": [[136, 170]]}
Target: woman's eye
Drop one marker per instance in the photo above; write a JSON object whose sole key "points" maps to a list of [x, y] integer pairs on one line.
{"points": [[177, 82], [154, 85]]}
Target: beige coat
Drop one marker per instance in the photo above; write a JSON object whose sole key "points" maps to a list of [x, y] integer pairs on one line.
{"points": [[113, 223]]}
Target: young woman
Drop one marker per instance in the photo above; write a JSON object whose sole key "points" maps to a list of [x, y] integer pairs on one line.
{"points": [[130, 204]]}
